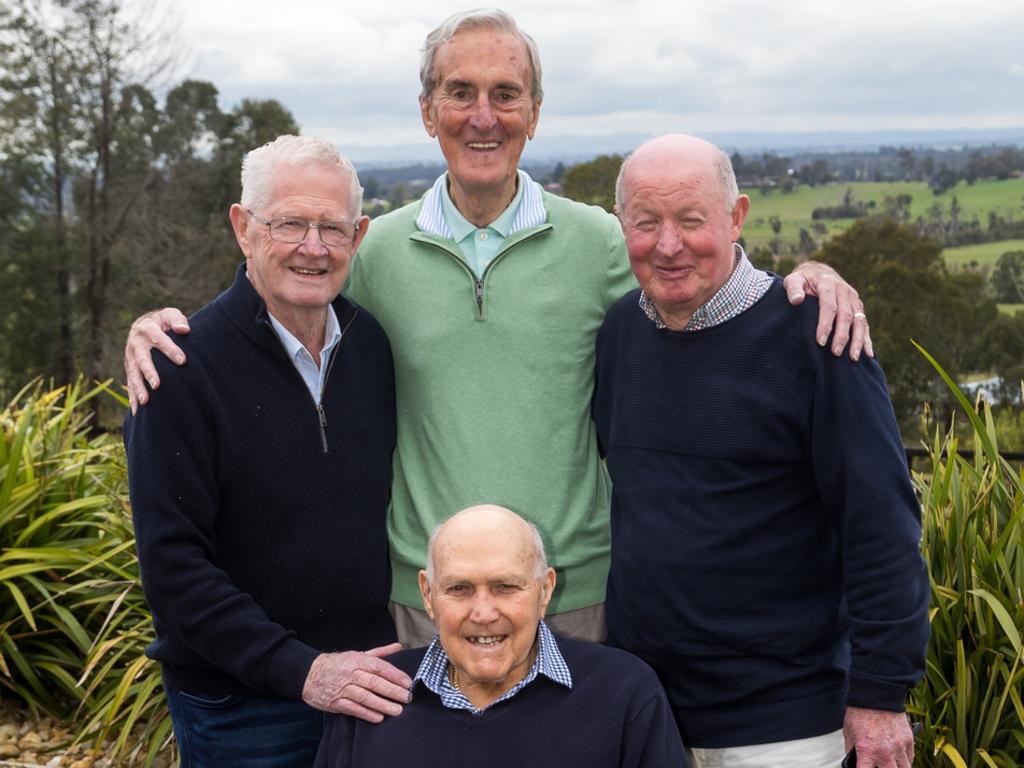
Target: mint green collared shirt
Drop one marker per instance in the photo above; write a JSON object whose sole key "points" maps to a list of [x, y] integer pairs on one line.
{"points": [[479, 245]]}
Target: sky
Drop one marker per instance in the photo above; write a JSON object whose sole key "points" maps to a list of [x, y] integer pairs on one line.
{"points": [[615, 70]]}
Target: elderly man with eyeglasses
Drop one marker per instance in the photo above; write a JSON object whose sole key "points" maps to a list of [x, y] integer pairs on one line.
{"points": [[259, 484]]}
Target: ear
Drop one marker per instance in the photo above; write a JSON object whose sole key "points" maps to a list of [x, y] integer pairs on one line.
{"points": [[547, 589], [240, 224], [362, 226], [425, 594], [533, 120], [739, 215], [427, 117]]}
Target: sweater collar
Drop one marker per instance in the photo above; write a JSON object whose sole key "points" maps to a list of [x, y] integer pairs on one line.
{"points": [[248, 312]]}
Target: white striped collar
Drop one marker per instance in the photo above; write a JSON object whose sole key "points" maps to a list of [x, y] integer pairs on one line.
{"points": [[531, 211]]}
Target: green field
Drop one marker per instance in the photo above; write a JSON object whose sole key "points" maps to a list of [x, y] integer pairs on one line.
{"points": [[794, 208], [981, 254]]}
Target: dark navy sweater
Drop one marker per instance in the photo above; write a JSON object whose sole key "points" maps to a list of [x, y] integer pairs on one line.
{"points": [[259, 546], [614, 716], [765, 534]]}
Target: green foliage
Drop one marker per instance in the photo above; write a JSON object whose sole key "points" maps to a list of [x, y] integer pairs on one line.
{"points": [[593, 182], [908, 294], [1008, 277], [970, 700], [73, 624]]}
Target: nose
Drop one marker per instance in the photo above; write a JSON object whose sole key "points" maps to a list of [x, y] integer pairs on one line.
{"points": [[312, 244], [670, 238], [482, 118], [483, 610]]}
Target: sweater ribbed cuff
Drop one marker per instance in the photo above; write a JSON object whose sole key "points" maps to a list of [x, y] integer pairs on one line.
{"points": [[871, 693], [288, 669]]}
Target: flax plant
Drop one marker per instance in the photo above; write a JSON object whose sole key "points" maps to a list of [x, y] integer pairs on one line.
{"points": [[73, 632], [970, 701]]}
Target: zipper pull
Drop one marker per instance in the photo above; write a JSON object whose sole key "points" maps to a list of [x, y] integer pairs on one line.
{"points": [[323, 425], [479, 293]]}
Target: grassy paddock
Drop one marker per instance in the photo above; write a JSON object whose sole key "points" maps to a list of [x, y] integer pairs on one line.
{"points": [[794, 208], [982, 254]]}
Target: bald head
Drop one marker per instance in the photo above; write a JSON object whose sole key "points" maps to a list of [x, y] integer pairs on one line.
{"points": [[486, 524], [676, 151]]}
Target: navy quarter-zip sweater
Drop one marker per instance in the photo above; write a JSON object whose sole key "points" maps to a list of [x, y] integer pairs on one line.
{"points": [[765, 533], [260, 527]]}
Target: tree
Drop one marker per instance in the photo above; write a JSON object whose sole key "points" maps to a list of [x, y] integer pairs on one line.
{"points": [[593, 182], [908, 295], [1008, 278]]}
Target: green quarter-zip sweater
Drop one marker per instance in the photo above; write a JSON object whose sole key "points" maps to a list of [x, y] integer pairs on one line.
{"points": [[493, 381]]}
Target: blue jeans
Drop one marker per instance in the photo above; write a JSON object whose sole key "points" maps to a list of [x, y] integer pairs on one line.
{"points": [[243, 731]]}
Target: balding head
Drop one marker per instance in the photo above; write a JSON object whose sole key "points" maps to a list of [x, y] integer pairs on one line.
{"points": [[488, 521], [487, 589], [677, 150]]}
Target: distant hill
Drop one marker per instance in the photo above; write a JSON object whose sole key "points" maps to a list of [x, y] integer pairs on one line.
{"points": [[547, 149]]}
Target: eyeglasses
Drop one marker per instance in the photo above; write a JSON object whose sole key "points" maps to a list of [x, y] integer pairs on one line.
{"points": [[289, 229]]}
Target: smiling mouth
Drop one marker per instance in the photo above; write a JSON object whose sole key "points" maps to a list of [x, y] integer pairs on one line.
{"points": [[486, 641], [308, 272], [485, 145]]}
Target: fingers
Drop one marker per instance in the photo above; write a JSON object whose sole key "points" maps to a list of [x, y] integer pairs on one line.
{"points": [[356, 683], [147, 332], [384, 650]]}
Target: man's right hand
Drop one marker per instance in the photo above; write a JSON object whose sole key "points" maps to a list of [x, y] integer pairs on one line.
{"points": [[147, 332], [359, 684]]}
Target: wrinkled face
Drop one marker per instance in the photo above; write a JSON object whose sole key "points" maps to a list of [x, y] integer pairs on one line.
{"points": [[481, 111], [486, 600], [298, 277], [679, 232]]}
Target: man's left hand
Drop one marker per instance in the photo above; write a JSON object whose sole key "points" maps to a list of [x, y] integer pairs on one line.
{"points": [[838, 302], [359, 684], [883, 739]]}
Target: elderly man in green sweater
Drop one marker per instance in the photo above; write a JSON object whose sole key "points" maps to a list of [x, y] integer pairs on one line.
{"points": [[491, 292]]}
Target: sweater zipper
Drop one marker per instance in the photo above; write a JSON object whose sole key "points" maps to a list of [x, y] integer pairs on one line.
{"points": [[321, 413], [478, 282]]}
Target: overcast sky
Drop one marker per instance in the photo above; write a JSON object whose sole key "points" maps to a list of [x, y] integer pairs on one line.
{"points": [[348, 70]]}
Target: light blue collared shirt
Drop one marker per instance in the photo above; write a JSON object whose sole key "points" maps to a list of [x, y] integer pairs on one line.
{"points": [[314, 376], [433, 671], [479, 244], [529, 212]]}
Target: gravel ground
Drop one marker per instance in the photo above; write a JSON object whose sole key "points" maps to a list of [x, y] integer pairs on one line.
{"points": [[28, 742]]}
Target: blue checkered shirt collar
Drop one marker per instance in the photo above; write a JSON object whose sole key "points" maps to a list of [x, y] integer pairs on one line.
{"points": [[433, 671], [531, 211], [741, 291]]}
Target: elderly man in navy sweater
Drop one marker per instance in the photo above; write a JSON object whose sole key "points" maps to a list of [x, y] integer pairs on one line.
{"points": [[496, 687], [765, 535], [259, 484]]}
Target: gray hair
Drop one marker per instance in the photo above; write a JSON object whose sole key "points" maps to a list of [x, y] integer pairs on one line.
{"points": [[491, 18], [723, 169], [540, 558], [260, 165]]}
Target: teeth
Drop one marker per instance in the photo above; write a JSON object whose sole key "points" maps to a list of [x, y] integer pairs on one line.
{"points": [[485, 640], [483, 145], [302, 271]]}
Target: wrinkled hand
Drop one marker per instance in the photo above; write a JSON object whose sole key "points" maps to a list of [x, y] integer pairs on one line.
{"points": [[148, 331], [359, 684], [883, 739], [838, 302]]}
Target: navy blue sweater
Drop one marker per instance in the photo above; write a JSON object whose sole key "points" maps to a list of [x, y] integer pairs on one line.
{"points": [[615, 716], [765, 534], [261, 536]]}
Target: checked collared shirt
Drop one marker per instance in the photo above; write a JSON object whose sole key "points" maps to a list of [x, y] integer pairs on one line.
{"points": [[433, 671]]}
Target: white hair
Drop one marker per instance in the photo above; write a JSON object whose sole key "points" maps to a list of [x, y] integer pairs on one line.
{"points": [[261, 164], [491, 18]]}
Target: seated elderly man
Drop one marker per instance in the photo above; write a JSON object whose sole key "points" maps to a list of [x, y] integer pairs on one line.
{"points": [[496, 687]]}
